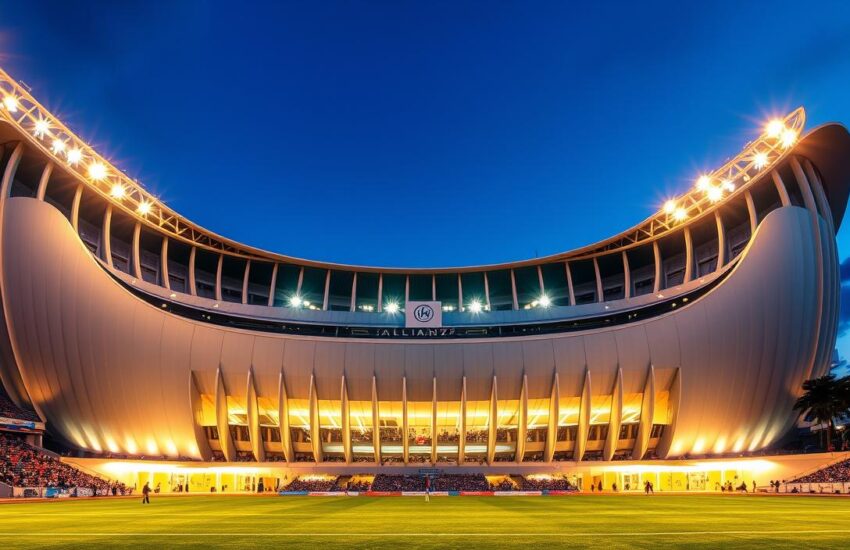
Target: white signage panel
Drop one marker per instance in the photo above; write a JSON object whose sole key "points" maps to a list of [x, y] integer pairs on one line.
{"points": [[423, 315]]}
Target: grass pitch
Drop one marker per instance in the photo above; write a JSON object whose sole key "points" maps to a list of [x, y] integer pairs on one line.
{"points": [[598, 521]]}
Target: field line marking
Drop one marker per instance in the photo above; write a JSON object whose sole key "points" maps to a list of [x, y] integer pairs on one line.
{"points": [[511, 534]]}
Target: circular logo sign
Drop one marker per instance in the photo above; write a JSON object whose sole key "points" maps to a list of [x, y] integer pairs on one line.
{"points": [[423, 313]]}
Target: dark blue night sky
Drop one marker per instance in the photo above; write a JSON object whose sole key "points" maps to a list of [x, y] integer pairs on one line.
{"points": [[425, 134]]}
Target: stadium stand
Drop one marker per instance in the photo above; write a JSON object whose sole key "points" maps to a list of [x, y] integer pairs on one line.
{"points": [[461, 482], [312, 483], [394, 483], [836, 473], [546, 483], [22, 465], [8, 409]]}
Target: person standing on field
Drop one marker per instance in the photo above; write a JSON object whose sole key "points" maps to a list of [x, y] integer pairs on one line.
{"points": [[146, 491]]}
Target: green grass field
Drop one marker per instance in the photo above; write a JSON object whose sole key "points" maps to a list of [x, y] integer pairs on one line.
{"points": [[473, 522]]}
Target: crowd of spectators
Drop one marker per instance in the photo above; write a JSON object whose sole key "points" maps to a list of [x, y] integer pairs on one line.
{"points": [[503, 484], [836, 473], [312, 483], [546, 483], [8, 409], [394, 483], [22, 465], [460, 482], [359, 484]]}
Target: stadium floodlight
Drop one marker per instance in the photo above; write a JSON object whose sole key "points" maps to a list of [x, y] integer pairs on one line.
{"points": [[774, 128], [680, 214], [475, 306], [97, 171], [544, 301], [789, 137], [42, 126], [58, 146], [703, 182], [760, 160], [144, 208], [75, 156], [669, 206], [11, 103], [295, 301], [391, 308], [117, 191], [727, 185], [715, 193]]}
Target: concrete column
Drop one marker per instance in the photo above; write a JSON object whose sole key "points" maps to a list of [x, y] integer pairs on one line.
{"points": [[493, 424], [300, 282], [218, 277], [780, 188], [405, 423], [689, 256], [283, 419], [353, 306], [674, 401], [272, 285], [627, 277], [245, 277], [434, 421], [327, 293], [522, 424], [487, 290], [656, 253], [554, 415], [376, 421], [600, 293], [43, 181], [540, 280], [75, 208], [461, 442], [315, 422], [380, 292], [615, 418], [345, 422], [751, 211], [570, 284], [584, 413], [252, 408], [135, 258], [193, 288], [106, 239], [513, 290], [163, 263], [459, 293], [228, 447], [721, 240], [647, 410]]}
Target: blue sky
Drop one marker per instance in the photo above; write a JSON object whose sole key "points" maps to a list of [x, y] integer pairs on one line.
{"points": [[432, 133]]}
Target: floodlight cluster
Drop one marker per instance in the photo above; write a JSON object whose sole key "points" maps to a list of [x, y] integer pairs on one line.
{"points": [[779, 135]]}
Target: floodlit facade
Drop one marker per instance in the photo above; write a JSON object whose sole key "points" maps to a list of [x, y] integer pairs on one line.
{"points": [[132, 331]]}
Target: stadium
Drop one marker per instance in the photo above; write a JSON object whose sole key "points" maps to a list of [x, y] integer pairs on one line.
{"points": [[158, 351]]}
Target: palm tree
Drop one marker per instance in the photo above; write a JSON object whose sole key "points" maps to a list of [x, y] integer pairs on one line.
{"points": [[824, 399]]}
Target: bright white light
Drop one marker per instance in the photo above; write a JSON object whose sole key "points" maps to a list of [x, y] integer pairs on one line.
{"points": [[715, 194], [669, 206], [760, 160], [295, 301], [58, 146], [727, 185], [703, 182], [475, 306], [74, 156], [11, 103], [789, 137], [97, 171], [544, 301], [391, 308], [117, 191], [42, 126], [144, 208], [774, 128], [680, 214]]}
